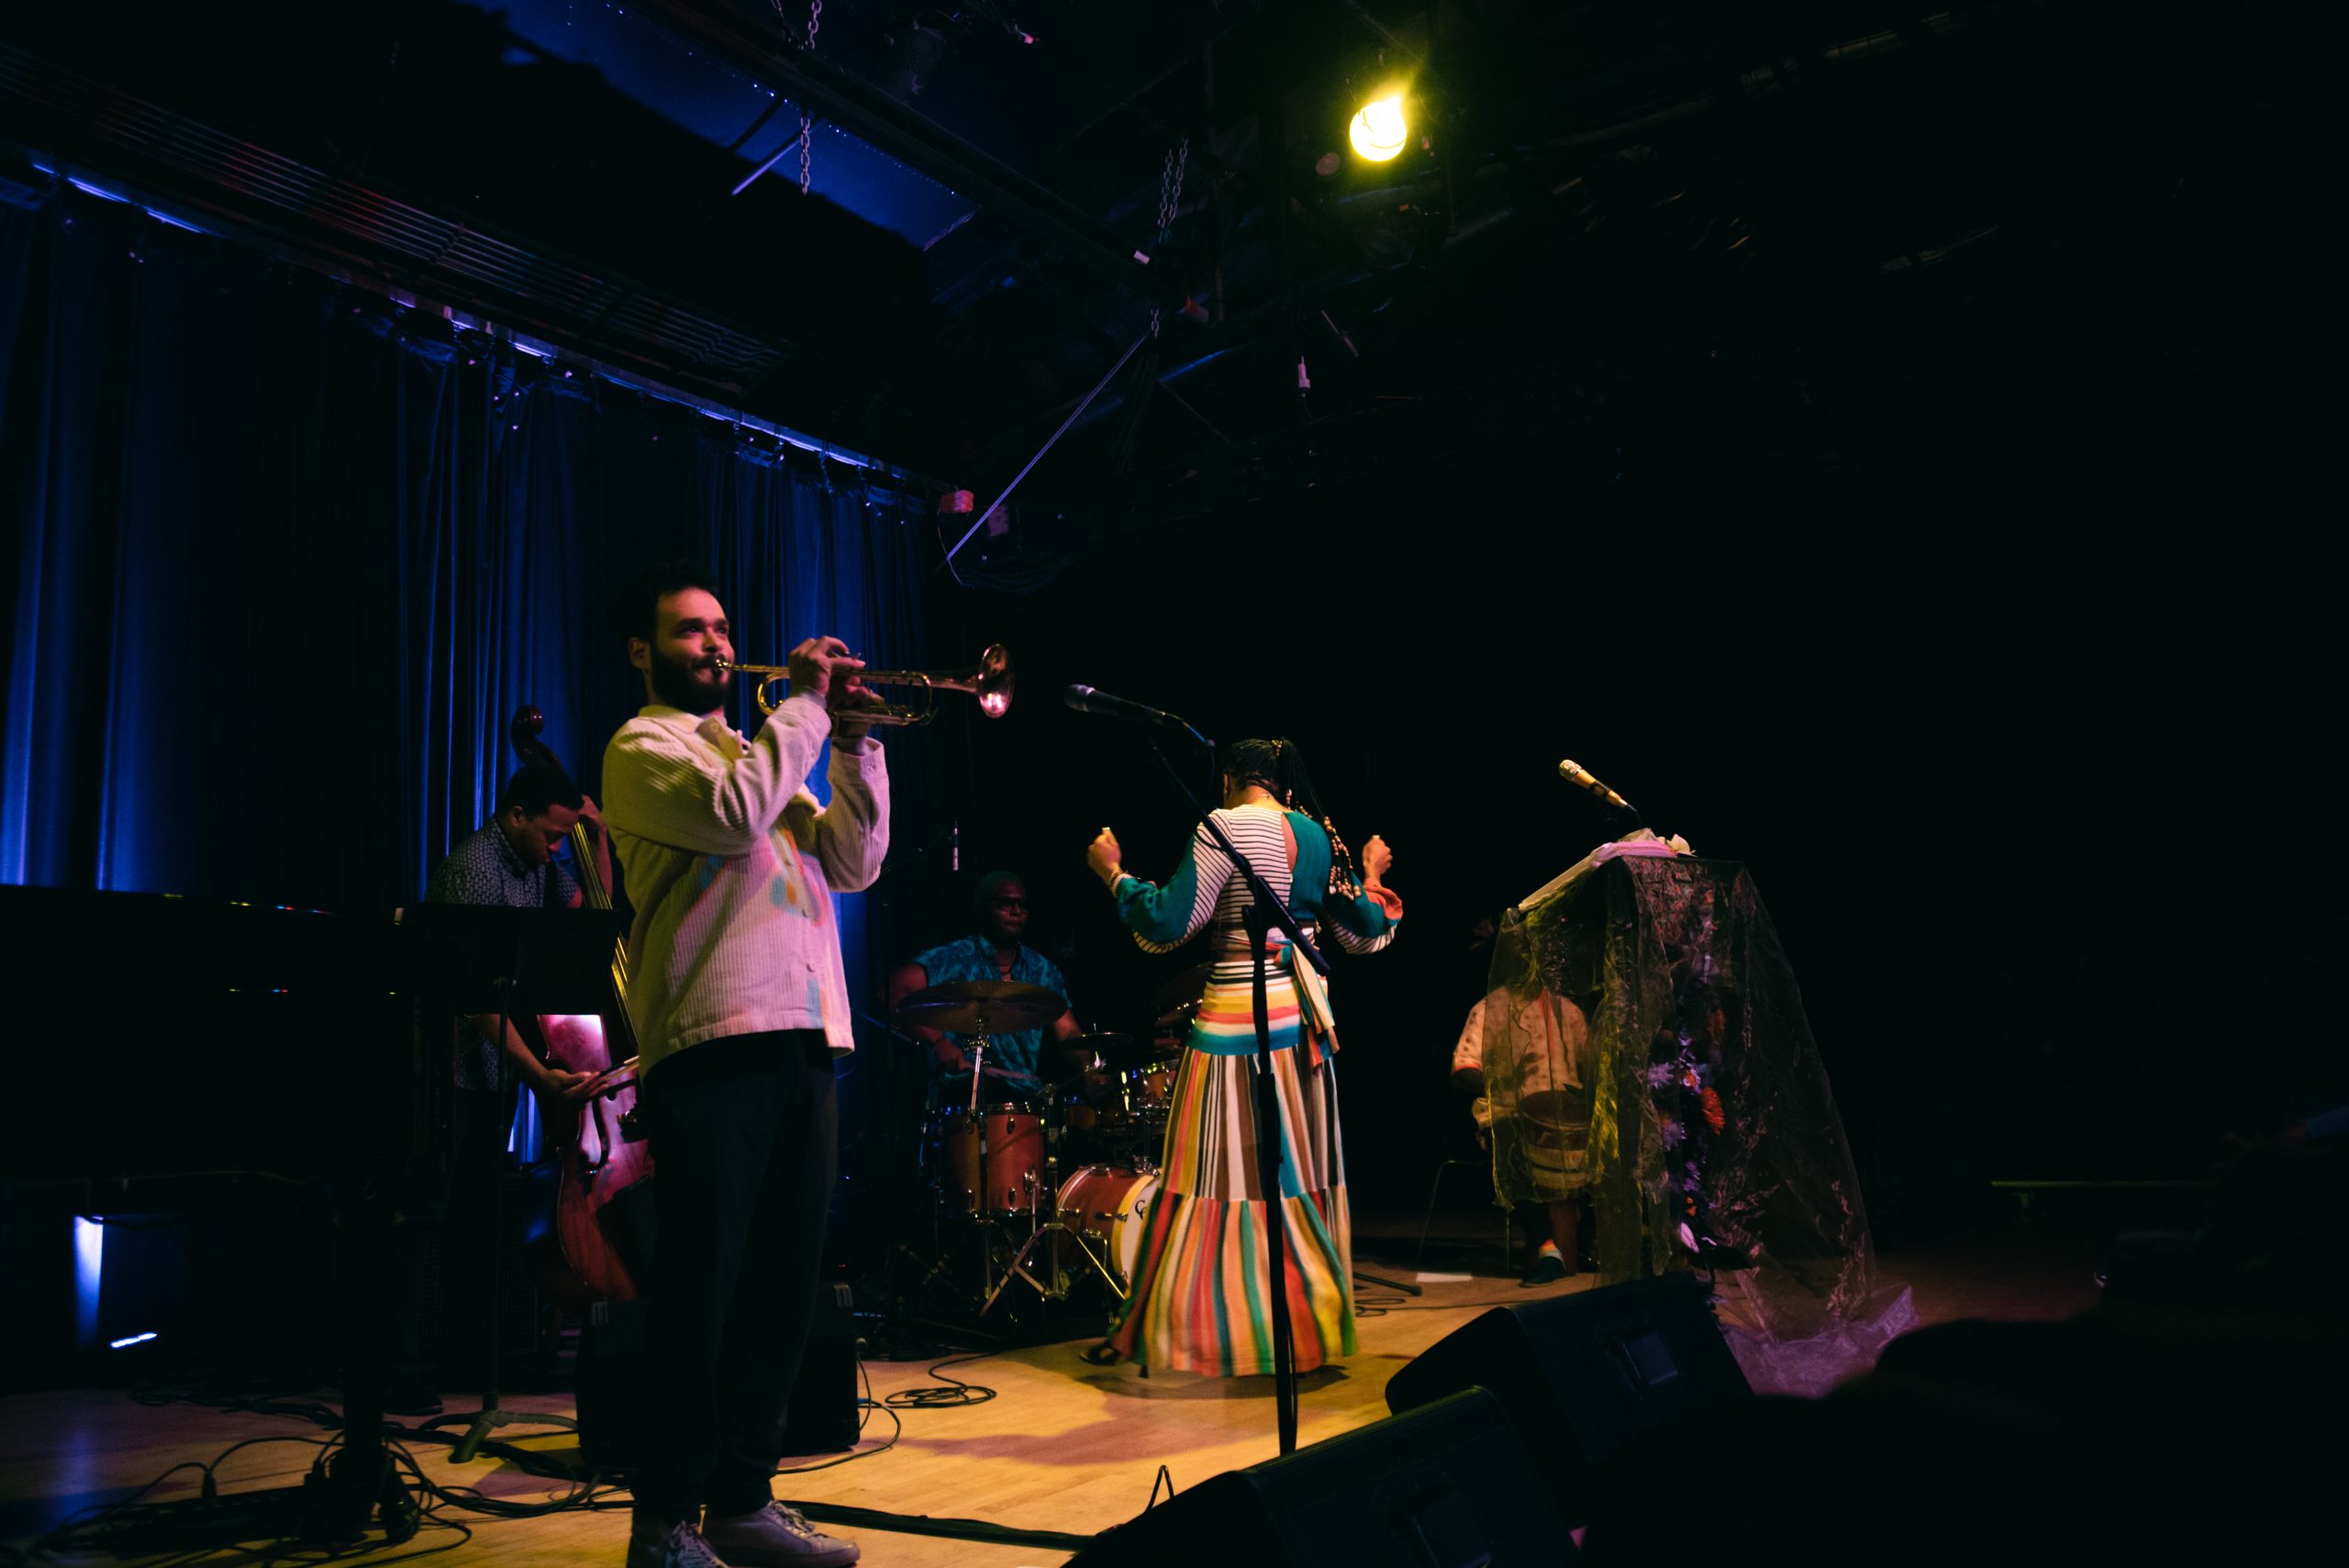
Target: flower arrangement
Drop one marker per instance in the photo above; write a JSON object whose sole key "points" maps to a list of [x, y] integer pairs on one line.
{"points": [[1690, 1114]]}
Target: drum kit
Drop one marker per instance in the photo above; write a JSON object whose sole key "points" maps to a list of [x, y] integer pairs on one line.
{"points": [[1036, 1190]]}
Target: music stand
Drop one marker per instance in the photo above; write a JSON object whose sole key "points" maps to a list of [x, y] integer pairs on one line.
{"points": [[509, 962]]}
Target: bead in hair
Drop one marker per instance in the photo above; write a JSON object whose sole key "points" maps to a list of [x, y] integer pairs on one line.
{"points": [[1340, 858]]}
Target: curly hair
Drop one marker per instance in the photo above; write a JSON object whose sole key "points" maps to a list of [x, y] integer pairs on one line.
{"points": [[1279, 766]]}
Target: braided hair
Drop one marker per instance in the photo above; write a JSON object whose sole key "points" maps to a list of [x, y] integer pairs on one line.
{"points": [[1279, 767]]}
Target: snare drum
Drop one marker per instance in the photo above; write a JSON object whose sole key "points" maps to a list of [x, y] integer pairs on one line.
{"points": [[1109, 1207]]}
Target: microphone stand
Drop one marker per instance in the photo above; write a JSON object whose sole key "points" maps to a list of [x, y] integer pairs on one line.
{"points": [[1266, 913]]}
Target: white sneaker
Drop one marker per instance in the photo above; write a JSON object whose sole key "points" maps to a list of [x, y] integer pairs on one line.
{"points": [[679, 1546], [775, 1536]]}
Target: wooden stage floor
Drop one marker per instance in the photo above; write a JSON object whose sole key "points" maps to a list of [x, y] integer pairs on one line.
{"points": [[1062, 1446]]}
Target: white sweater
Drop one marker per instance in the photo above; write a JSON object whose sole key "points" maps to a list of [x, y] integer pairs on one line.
{"points": [[731, 865]]}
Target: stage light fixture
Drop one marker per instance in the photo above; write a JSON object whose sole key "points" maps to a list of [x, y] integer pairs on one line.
{"points": [[1378, 132]]}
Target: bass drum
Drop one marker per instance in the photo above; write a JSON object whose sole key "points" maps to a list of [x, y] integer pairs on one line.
{"points": [[1109, 1207]]}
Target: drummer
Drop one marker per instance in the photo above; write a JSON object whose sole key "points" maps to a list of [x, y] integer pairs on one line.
{"points": [[1014, 1066]]}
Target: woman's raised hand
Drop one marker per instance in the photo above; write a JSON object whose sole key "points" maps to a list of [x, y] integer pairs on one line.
{"points": [[1104, 857]]}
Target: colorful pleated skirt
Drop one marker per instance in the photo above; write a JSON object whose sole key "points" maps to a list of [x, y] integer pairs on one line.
{"points": [[1202, 1287]]}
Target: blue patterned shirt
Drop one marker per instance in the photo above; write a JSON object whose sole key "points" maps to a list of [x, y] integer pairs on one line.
{"points": [[1020, 1054]]}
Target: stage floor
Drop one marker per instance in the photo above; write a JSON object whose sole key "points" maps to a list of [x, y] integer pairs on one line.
{"points": [[1061, 1446]]}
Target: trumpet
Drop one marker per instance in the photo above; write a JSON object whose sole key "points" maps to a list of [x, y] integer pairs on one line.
{"points": [[989, 679]]}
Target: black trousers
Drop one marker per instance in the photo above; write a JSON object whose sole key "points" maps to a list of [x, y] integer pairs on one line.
{"points": [[745, 1144]]}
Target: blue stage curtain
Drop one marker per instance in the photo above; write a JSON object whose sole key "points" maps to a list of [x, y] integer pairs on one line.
{"points": [[282, 562]]}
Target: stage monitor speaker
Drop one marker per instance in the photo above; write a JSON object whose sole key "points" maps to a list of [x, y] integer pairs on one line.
{"points": [[821, 1418], [1448, 1485], [1580, 1374]]}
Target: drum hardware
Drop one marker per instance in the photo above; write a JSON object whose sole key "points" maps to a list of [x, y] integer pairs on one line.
{"points": [[1173, 1004], [997, 1163], [1119, 1233], [994, 1236], [1126, 1053], [994, 1161], [1126, 1110]]}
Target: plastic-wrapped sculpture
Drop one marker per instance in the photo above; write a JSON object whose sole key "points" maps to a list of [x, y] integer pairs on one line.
{"points": [[1698, 1118]]}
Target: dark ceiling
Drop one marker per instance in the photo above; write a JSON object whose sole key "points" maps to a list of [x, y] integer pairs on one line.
{"points": [[1613, 213]]}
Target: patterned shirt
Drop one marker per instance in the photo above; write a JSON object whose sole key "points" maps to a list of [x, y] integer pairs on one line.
{"points": [[1019, 1055], [484, 869], [732, 866], [1547, 1042]]}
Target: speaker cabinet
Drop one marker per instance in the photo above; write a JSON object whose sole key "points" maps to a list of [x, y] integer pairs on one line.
{"points": [[1448, 1486], [1581, 1374], [821, 1418]]}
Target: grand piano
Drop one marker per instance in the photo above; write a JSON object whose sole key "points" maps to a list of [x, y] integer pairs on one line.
{"points": [[158, 1043], [164, 1037]]}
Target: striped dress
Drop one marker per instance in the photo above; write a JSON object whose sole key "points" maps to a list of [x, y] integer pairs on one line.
{"points": [[1202, 1288]]}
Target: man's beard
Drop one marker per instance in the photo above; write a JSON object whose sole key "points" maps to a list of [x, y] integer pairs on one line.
{"points": [[678, 685]]}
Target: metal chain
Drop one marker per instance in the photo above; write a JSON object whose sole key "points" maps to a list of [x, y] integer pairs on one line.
{"points": [[1170, 186], [807, 126], [1170, 196]]}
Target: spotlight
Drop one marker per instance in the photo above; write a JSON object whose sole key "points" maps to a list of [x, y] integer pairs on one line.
{"points": [[1378, 132]]}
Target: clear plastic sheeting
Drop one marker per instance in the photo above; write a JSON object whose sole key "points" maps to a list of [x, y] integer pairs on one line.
{"points": [[1538, 1071], [1814, 1364], [1712, 1139]]}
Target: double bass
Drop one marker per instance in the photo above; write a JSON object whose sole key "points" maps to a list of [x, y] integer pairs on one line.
{"points": [[601, 1221]]}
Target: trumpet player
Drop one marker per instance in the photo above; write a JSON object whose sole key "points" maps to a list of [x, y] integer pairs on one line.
{"points": [[740, 1002]]}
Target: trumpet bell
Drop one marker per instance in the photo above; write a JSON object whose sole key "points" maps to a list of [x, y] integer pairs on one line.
{"points": [[991, 682]]}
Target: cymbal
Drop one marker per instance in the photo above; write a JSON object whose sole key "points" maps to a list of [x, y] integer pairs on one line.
{"points": [[982, 1006], [1123, 1053], [1173, 1003]]}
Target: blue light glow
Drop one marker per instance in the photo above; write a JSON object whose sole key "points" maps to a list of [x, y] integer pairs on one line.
{"points": [[129, 1340], [89, 1265]]}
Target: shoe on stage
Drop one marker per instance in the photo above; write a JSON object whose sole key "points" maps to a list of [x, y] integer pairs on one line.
{"points": [[675, 1546], [775, 1537], [1547, 1269]]}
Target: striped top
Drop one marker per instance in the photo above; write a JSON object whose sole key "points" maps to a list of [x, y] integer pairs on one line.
{"points": [[1208, 890]]}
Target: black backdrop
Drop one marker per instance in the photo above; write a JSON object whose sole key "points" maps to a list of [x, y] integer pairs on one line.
{"points": [[2038, 678], [2020, 746]]}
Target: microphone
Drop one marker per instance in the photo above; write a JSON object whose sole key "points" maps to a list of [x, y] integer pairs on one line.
{"points": [[1573, 773], [1090, 699]]}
